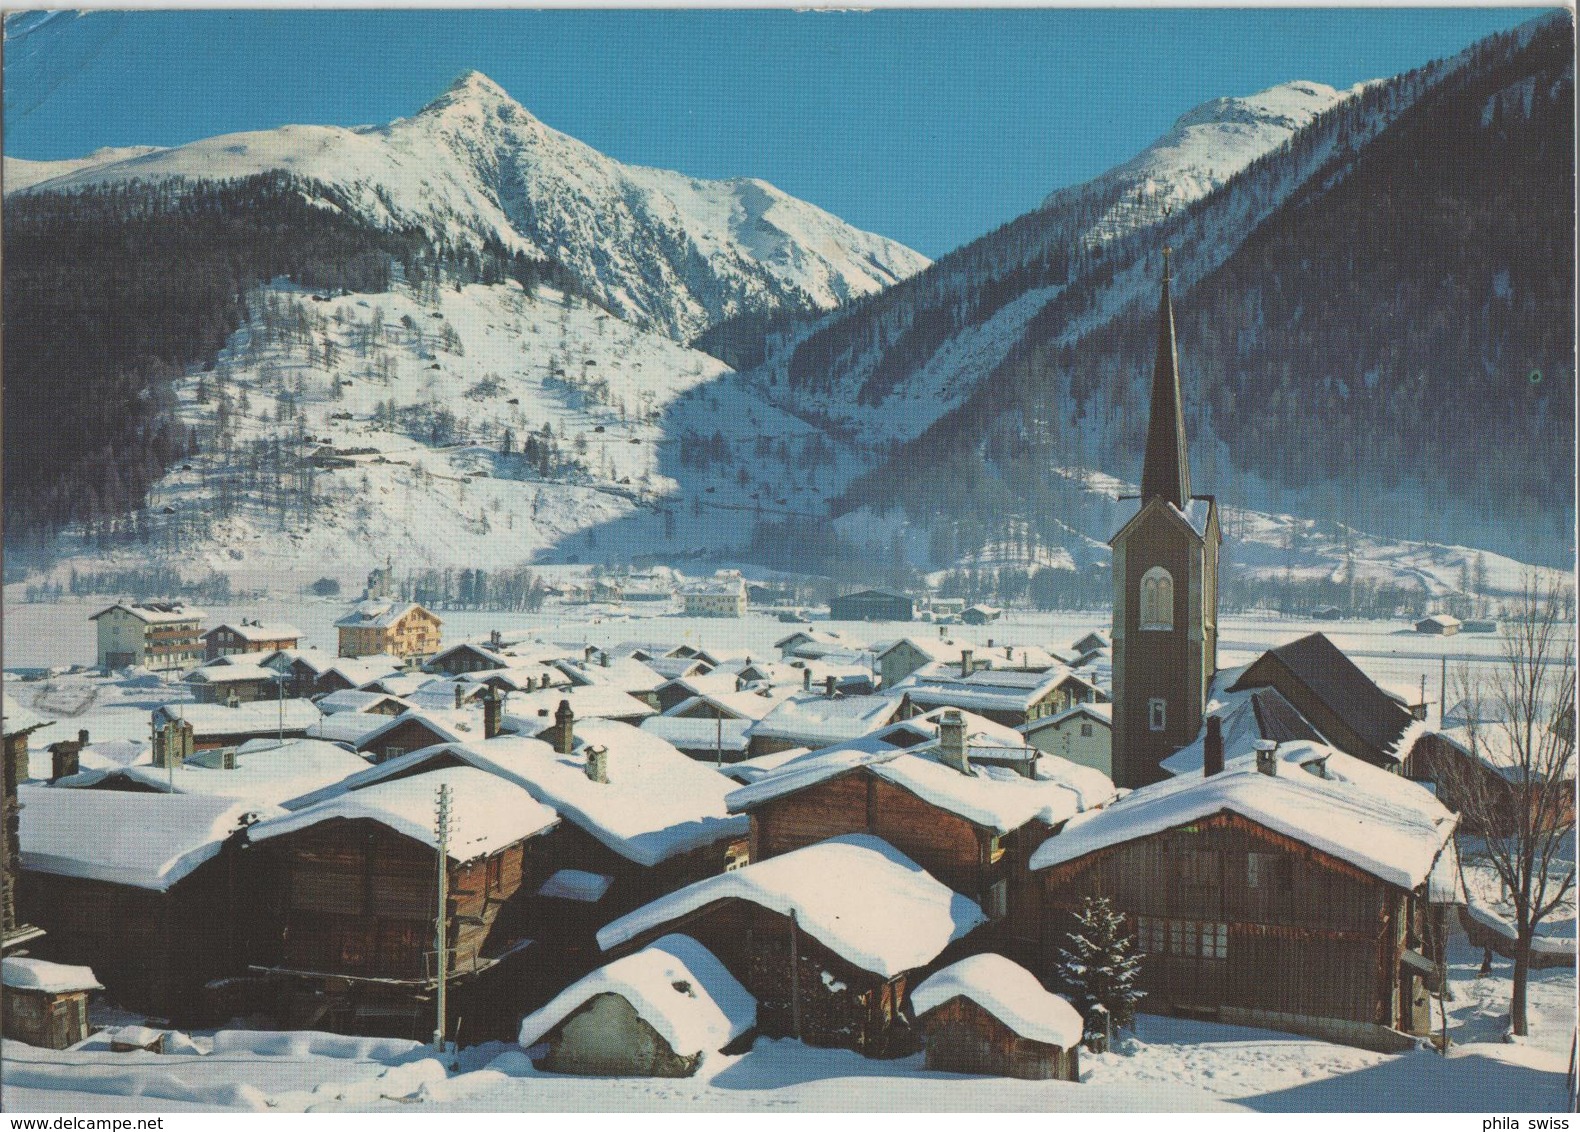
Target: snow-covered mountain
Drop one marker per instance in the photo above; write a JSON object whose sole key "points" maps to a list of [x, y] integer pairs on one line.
{"points": [[658, 248]]}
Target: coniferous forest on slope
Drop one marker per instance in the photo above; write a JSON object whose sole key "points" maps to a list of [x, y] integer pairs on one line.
{"points": [[1392, 349]]}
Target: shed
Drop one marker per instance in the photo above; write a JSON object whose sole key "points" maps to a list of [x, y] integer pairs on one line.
{"points": [[45, 1004], [1438, 624], [987, 1014], [654, 1013], [872, 605], [981, 614]]}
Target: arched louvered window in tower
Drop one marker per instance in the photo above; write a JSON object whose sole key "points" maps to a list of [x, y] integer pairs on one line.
{"points": [[1157, 599]]}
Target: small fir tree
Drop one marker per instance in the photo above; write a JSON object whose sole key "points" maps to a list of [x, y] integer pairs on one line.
{"points": [[1100, 967]]}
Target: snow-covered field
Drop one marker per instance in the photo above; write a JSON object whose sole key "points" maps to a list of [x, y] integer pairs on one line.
{"points": [[1169, 1065]]}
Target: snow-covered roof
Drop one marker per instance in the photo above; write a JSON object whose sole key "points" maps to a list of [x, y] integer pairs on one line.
{"points": [[155, 612], [1495, 746], [259, 630], [230, 673], [989, 690], [18, 718], [1007, 991], [19, 973], [259, 716], [813, 717], [1441, 620], [531, 711], [1381, 823], [675, 985], [487, 814], [347, 726], [693, 734], [379, 614], [1246, 717], [526, 677], [438, 723], [354, 699], [657, 803], [674, 667], [360, 670], [1101, 713], [265, 772], [123, 837], [934, 648], [856, 894], [578, 885], [622, 672]]}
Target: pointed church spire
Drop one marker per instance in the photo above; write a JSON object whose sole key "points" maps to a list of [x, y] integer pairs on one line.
{"points": [[1166, 470]]}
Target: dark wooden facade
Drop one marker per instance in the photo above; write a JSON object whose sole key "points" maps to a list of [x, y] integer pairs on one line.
{"points": [[1455, 775], [411, 735], [153, 951], [1244, 924], [962, 1037], [225, 640], [42, 1018], [871, 605]]}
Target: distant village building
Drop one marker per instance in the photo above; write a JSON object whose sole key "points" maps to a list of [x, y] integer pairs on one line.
{"points": [[222, 681], [1165, 579], [980, 614], [466, 657], [399, 628], [1082, 733], [905, 656], [220, 725], [871, 605], [1438, 624], [161, 636], [717, 597], [249, 636]]}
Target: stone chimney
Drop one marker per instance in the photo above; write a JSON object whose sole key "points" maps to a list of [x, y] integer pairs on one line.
{"points": [[806, 679], [227, 759], [1267, 757], [990, 643], [598, 764], [603, 659], [82, 737], [15, 759], [828, 686], [1212, 748], [494, 638], [493, 712], [460, 696], [562, 736], [940, 632], [173, 744], [64, 760], [952, 741], [965, 663], [543, 681], [1009, 652], [587, 653]]}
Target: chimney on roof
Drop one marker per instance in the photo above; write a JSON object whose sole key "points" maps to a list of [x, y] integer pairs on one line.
{"points": [[940, 631], [952, 741], [543, 681], [828, 686], [603, 658], [172, 744], [233, 700], [563, 733], [587, 653], [806, 679], [493, 711], [1212, 748], [1267, 757], [494, 638], [460, 696], [227, 759], [63, 759], [965, 663], [1009, 652], [16, 769], [598, 764], [82, 737], [990, 642]]}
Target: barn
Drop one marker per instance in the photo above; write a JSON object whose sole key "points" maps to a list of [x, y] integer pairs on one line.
{"points": [[1297, 888], [828, 939], [989, 1015], [871, 605], [657, 1012]]}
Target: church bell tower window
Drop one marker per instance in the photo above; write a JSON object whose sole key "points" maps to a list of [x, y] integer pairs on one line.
{"points": [[1157, 599]]}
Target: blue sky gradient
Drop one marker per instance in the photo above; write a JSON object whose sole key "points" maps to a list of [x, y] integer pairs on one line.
{"points": [[929, 126]]}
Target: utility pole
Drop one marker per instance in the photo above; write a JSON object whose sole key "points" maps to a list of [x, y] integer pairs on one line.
{"points": [[441, 921], [718, 737]]}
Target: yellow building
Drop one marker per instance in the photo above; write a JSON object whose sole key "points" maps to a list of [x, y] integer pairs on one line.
{"points": [[398, 628]]}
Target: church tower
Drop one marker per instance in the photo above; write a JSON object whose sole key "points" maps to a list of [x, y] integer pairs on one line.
{"points": [[1165, 571]]}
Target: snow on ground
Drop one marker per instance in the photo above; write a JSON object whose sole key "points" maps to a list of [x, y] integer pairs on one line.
{"points": [[1168, 1065]]}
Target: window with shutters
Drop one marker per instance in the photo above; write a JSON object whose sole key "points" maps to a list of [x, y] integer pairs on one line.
{"points": [[1270, 871], [1198, 939]]}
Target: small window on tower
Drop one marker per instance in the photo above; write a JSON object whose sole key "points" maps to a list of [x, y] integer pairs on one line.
{"points": [[1157, 715], [1157, 599]]}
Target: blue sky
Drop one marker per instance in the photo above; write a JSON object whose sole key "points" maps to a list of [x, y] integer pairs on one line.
{"points": [[929, 126]]}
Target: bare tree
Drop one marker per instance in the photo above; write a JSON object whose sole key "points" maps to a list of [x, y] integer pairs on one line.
{"points": [[1516, 790]]}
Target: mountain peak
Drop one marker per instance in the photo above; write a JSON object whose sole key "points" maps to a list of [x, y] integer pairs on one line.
{"points": [[473, 88]]}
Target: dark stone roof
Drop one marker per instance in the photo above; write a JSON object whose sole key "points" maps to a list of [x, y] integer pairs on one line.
{"points": [[1334, 679]]}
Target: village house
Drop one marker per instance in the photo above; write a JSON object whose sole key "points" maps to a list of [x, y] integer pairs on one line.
{"points": [[871, 605], [224, 680], [45, 1004], [370, 703], [161, 636], [980, 614], [246, 636], [829, 939], [816, 719], [1008, 696], [809, 644], [147, 889], [901, 658], [720, 596], [1298, 889], [355, 892], [263, 772], [625, 674], [348, 673], [1482, 760], [301, 668], [468, 656], [1439, 625], [657, 1012], [535, 712], [712, 726], [1084, 734], [989, 1015], [399, 628], [969, 808]]}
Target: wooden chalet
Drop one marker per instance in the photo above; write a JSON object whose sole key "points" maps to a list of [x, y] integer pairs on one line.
{"points": [[1008, 696], [399, 628], [223, 681], [829, 939], [657, 1012], [971, 822], [1297, 889], [1335, 697], [147, 889], [1481, 761], [355, 893], [223, 725], [817, 719], [45, 1004], [246, 636], [466, 657], [988, 1015]]}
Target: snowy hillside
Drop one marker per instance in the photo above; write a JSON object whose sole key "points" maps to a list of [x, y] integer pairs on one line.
{"points": [[658, 248], [19, 173]]}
